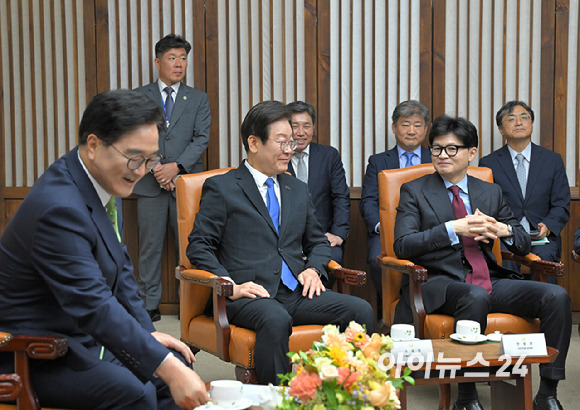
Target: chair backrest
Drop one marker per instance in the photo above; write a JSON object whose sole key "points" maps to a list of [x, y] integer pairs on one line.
{"points": [[390, 181], [188, 194]]}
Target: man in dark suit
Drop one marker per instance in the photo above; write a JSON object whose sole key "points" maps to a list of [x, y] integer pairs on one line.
{"points": [[321, 168], [183, 140], [447, 222], [410, 124], [64, 272], [256, 225], [577, 241], [532, 178]]}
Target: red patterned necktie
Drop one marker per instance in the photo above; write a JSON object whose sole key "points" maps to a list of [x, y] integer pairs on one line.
{"points": [[479, 273]]}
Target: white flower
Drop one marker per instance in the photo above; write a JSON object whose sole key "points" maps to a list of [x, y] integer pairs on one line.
{"points": [[321, 362], [330, 330], [328, 372], [356, 327]]}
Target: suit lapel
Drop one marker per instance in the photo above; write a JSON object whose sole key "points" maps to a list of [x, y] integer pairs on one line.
{"points": [[507, 165], [478, 195], [248, 185], [97, 210], [180, 102], [392, 158], [536, 162], [438, 199], [286, 200], [425, 156]]}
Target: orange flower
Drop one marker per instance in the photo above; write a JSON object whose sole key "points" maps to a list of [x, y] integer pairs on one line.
{"points": [[372, 349], [304, 386], [380, 396], [347, 377]]}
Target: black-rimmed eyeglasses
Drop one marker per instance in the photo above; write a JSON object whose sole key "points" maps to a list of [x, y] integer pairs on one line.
{"points": [[135, 161], [450, 150]]}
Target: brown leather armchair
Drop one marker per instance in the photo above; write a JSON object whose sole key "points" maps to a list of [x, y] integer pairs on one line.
{"points": [[18, 385], [214, 334], [438, 326]]}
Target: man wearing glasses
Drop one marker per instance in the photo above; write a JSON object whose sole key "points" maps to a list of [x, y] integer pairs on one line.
{"points": [[65, 272], [533, 180], [447, 222], [256, 225]]}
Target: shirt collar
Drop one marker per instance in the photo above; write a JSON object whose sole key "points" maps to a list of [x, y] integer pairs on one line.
{"points": [[527, 152], [162, 86], [417, 151], [259, 177], [461, 184], [104, 196]]}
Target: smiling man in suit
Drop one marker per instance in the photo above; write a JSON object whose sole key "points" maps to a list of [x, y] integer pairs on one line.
{"points": [[183, 140], [256, 226], [410, 124], [321, 168], [533, 180], [64, 272], [447, 222]]}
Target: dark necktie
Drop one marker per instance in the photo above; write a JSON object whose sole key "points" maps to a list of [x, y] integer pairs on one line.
{"points": [[274, 210], [409, 156], [168, 103], [111, 209], [479, 274]]}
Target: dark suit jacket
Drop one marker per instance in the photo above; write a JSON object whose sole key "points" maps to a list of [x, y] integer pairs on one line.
{"points": [[186, 138], [577, 241], [369, 202], [547, 193], [233, 234], [421, 236], [328, 189], [63, 272]]}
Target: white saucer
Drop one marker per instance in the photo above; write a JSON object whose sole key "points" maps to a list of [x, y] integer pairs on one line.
{"points": [[405, 340], [467, 340], [494, 337], [240, 404]]}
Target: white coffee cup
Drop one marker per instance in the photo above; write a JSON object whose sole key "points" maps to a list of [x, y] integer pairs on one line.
{"points": [[468, 329], [401, 332], [226, 392]]}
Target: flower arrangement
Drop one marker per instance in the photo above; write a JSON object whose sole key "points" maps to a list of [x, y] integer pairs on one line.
{"points": [[344, 371]]}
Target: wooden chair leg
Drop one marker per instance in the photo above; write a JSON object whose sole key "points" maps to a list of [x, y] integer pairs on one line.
{"points": [[444, 396], [246, 376]]}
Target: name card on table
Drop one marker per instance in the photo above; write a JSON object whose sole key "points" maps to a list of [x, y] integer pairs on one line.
{"points": [[412, 351], [525, 344]]}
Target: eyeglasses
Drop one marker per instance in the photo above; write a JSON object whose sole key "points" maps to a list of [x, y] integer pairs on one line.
{"points": [[135, 161], [511, 118], [284, 145], [450, 150]]}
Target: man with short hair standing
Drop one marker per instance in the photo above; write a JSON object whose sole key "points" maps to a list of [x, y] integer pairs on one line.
{"points": [[533, 180], [64, 272], [410, 124], [257, 226], [183, 139], [321, 168]]}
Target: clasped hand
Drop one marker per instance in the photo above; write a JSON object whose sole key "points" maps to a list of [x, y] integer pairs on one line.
{"points": [[480, 227], [308, 278]]}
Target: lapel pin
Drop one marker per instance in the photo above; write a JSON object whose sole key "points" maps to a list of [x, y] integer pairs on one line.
{"points": [[185, 97], [287, 187]]}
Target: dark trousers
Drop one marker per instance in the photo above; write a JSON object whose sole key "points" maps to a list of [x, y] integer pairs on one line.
{"points": [[548, 302], [107, 385], [272, 320], [374, 250]]}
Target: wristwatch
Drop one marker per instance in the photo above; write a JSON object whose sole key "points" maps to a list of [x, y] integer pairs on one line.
{"points": [[510, 230]]}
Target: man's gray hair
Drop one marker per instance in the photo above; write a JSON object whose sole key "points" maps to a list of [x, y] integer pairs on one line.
{"points": [[410, 108]]}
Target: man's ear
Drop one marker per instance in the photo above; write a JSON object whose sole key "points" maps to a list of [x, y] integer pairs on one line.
{"points": [[253, 142], [472, 153], [93, 143]]}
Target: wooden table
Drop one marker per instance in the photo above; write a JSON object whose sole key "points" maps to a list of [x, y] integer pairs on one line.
{"points": [[518, 396]]}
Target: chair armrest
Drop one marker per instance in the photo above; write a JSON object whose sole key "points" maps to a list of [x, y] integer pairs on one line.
{"points": [[348, 276], [543, 268], [418, 275], [222, 288], [25, 347], [10, 386], [575, 256]]}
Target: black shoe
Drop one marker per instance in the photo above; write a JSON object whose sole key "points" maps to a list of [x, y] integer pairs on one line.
{"points": [[471, 405], [547, 403], [154, 314]]}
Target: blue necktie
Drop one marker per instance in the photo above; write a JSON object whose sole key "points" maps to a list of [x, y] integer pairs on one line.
{"points": [[409, 156], [168, 103], [274, 210]]}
